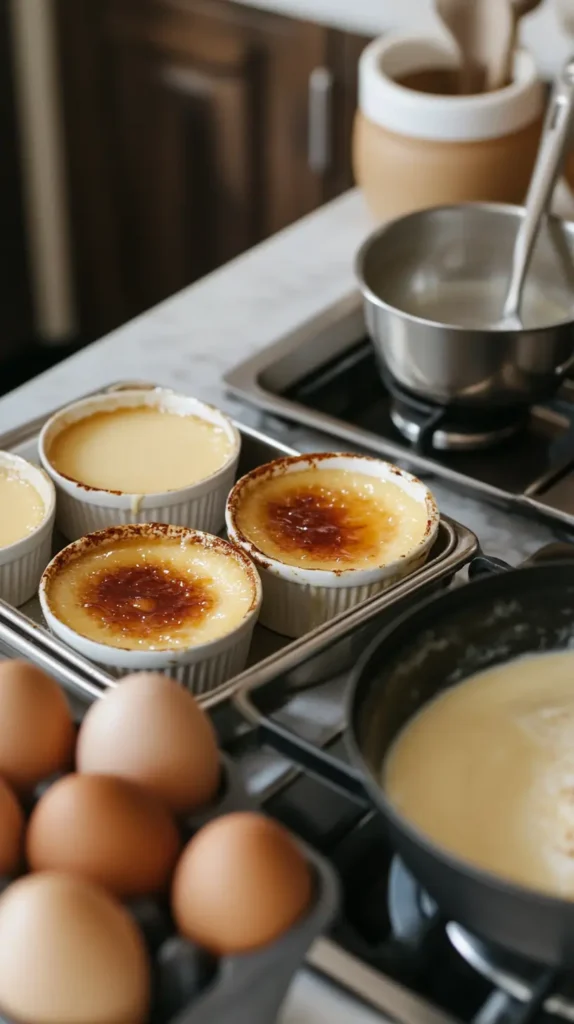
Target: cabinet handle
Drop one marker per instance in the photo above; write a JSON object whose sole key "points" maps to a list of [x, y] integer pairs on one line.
{"points": [[320, 120]]}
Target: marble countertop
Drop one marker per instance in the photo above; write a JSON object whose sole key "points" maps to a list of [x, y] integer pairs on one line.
{"points": [[190, 341]]}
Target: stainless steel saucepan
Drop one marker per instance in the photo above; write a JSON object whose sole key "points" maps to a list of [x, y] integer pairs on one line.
{"points": [[453, 259], [448, 317]]}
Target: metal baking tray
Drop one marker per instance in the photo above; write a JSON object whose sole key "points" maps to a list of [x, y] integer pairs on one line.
{"points": [[328, 648]]}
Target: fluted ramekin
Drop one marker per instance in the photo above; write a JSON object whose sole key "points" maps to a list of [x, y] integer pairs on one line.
{"points": [[297, 600], [199, 668], [23, 562], [82, 509]]}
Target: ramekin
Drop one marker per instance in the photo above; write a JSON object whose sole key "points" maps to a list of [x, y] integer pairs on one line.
{"points": [[82, 509], [297, 600], [23, 562], [199, 668]]}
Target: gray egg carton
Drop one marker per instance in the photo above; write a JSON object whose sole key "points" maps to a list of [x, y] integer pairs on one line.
{"points": [[250, 988]]}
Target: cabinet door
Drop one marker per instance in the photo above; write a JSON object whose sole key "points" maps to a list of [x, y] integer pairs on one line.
{"points": [[196, 128], [184, 168], [16, 312], [209, 132]]}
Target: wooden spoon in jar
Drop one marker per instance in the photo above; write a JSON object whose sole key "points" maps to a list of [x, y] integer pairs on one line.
{"points": [[520, 8], [483, 31]]}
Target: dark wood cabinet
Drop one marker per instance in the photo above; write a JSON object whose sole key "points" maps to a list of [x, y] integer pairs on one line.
{"points": [[16, 312], [195, 128]]}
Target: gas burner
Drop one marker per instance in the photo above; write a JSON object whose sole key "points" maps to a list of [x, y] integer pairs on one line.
{"points": [[430, 426], [517, 977], [424, 432], [410, 913]]}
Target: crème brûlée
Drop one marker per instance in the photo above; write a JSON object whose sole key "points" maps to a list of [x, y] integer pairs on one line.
{"points": [[21, 507], [139, 450], [332, 519], [151, 592]]}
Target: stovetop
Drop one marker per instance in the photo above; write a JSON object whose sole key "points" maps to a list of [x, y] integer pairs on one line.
{"points": [[391, 946], [388, 924], [325, 376]]}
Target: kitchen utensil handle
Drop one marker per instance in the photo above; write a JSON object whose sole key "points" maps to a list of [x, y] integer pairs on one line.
{"points": [[523, 7], [316, 761], [548, 162], [307, 755], [486, 565], [320, 120]]}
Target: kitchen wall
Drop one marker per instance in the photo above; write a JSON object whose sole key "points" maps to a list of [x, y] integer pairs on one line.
{"points": [[543, 31]]}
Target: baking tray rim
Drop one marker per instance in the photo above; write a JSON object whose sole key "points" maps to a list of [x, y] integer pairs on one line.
{"points": [[461, 547]]}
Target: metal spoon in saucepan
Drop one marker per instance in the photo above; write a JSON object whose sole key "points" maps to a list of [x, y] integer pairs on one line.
{"points": [[548, 164]]}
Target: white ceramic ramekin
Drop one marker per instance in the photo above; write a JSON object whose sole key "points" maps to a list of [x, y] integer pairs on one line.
{"points": [[200, 668], [23, 562], [297, 600], [82, 509]]}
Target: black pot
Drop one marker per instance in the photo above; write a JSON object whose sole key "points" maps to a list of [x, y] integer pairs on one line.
{"points": [[437, 644], [443, 641]]}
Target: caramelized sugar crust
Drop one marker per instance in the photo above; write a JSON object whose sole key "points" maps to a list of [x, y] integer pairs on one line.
{"points": [[332, 519], [151, 587], [326, 525], [143, 599]]}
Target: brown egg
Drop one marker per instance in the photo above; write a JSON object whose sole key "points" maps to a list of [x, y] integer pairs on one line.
{"points": [[37, 733], [109, 830], [11, 831], [70, 954], [240, 883], [151, 730]]}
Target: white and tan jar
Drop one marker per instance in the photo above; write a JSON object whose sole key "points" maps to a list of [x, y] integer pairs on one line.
{"points": [[414, 149]]}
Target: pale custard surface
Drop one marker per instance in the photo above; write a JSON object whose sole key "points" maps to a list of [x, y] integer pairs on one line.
{"points": [[152, 594], [139, 451], [331, 519], [487, 771], [21, 507]]}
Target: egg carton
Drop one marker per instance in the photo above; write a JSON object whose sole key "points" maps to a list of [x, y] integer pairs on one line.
{"points": [[191, 987]]}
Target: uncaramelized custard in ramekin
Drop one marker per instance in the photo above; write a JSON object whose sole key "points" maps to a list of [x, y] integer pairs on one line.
{"points": [[332, 519], [160, 592], [21, 507], [141, 450]]}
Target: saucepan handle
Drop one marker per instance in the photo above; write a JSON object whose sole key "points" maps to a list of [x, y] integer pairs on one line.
{"points": [[486, 565], [313, 759]]}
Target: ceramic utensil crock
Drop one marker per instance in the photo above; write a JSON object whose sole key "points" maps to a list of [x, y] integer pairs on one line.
{"points": [[415, 145]]}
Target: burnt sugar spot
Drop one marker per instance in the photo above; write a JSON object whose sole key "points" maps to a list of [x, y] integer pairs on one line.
{"points": [[327, 525], [144, 600]]}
